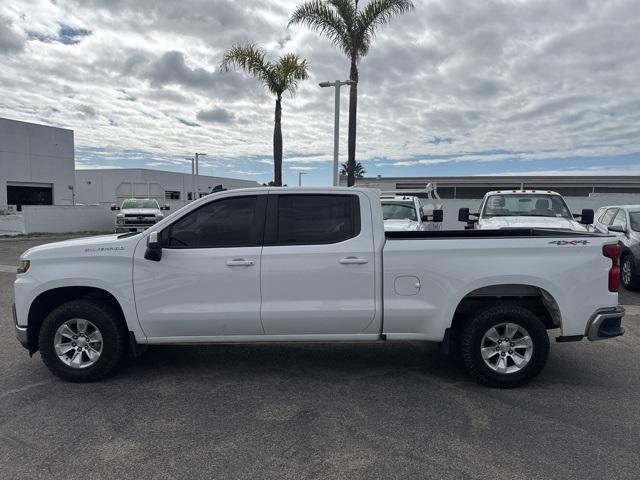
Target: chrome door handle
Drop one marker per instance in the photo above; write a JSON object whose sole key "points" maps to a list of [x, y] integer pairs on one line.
{"points": [[353, 261], [239, 262]]}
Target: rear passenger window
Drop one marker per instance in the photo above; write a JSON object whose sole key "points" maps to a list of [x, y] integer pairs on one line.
{"points": [[316, 219]]}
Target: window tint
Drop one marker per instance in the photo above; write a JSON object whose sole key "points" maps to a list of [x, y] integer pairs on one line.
{"points": [[139, 203], [620, 220], [224, 223], [399, 211], [316, 219], [606, 219], [528, 205]]}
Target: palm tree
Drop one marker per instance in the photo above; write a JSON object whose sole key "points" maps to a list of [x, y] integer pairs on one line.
{"points": [[285, 74], [351, 30], [358, 171]]}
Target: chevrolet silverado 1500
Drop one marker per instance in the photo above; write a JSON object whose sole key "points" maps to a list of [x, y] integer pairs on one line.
{"points": [[282, 265]]}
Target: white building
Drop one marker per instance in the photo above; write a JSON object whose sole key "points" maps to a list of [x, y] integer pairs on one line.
{"points": [[99, 185], [36, 164]]}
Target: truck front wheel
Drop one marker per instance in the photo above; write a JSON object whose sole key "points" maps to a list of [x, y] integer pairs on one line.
{"points": [[504, 346], [82, 341]]}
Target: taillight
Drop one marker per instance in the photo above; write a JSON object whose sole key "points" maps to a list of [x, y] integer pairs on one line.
{"points": [[613, 252]]}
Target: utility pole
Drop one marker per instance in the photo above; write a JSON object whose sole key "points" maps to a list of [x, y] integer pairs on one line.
{"points": [[196, 190], [336, 124], [300, 178]]}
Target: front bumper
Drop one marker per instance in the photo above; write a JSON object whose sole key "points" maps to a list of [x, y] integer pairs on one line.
{"points": [[21, 332], [605, 323]]}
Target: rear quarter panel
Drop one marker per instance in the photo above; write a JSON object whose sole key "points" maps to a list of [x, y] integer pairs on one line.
{"points": [[575, 274]]}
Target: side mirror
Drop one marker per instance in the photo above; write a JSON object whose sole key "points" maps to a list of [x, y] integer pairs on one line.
{"points": [[154, 249], [617, 229], [586, 217], [463, 215], [437, 216], [166, 207], [114, 207]]}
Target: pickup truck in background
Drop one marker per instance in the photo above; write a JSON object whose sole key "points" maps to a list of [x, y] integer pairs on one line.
{"points": [[253, 265], [525, 209], [405, 213], [137, 214]]}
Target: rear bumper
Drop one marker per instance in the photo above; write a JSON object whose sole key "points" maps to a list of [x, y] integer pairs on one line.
{"points": [[605, 323], [21, 332]]}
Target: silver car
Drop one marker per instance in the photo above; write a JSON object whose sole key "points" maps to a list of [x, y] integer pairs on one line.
{"points": [[624, 221]]}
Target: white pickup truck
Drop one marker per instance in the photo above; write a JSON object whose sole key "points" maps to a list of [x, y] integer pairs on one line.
{"points": [[525, 209], [137, 214], [254, 265]]}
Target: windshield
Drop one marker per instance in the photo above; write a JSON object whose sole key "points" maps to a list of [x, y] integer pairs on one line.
{"points": [[526, 205], [635, 221], [399, 211], [139, 203]]}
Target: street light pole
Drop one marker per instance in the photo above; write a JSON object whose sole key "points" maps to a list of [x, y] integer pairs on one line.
{"points": [[300, 178], [197, 189], [336, 125]]}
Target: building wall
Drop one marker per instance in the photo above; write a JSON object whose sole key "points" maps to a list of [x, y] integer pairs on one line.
{"points": [[99, 186], [31, 153], [477, 186]]}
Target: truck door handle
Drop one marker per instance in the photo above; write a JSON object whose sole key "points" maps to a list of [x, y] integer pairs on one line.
{"points": [[239, 262], [353, 261]]}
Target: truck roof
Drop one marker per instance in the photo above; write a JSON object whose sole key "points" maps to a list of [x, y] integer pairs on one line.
{"points": [[398, 198], [521, 192]]}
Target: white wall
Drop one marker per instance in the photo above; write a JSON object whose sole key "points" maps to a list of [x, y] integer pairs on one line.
{"points": [[11, 224], [67, 219], [32, 153]]}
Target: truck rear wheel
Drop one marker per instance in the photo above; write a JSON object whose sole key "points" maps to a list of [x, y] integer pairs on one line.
{"points": [[82, 341], [504, 346]]}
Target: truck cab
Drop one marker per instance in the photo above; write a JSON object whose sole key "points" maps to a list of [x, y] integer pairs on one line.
{"points": [[525, 209], [137, 214]]}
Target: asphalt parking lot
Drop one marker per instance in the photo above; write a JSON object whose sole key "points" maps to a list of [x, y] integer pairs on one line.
{"points": [[319, 411]]}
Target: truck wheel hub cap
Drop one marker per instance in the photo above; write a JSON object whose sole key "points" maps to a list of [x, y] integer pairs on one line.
{"points": [[78, 343], [506, 348]]}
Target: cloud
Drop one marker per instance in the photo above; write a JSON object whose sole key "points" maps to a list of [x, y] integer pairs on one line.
{"points": [[216, 115], [188, 123], [459, 85], [11, 40], [87, 111]]}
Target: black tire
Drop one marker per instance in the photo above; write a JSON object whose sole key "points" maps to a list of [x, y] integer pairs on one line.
{"points": [[631, 283], [480, 323], [114, 339]]}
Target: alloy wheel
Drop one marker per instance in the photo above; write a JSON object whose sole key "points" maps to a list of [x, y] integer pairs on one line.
{"points": [[506, 348], [78, 343]]}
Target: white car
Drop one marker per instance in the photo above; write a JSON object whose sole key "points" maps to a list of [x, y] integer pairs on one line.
{"points": [[525, 209], [252, 265], [137, 214], [405, 213]]}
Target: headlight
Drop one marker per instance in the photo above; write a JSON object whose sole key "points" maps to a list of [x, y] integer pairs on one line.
{"points": [[159, 217], [23, 266], [120, 221]]}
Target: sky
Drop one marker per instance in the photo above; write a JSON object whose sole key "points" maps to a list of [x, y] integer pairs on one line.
{"points": [[457, 87]]}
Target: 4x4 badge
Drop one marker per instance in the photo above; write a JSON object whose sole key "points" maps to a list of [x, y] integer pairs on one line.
{"points": [[569, 242]]}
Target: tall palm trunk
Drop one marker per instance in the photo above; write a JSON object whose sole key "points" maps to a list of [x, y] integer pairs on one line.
{"points": [[277, 144], [353, 108]]}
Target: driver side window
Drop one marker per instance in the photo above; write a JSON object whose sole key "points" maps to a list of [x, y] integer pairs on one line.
{"points": [[229, 222]]}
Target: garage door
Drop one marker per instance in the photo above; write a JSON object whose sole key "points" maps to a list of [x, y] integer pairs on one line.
{"points": [[20, 194]]}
